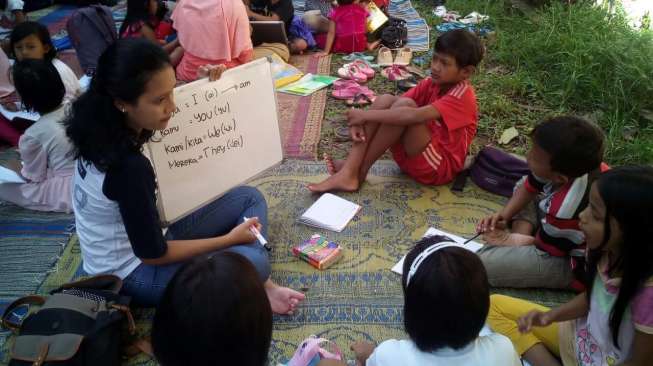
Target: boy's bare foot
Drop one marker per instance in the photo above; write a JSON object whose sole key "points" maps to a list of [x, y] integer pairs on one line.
{"points": [[333, 166], [340, 181], [506, 238], [283, 300]]}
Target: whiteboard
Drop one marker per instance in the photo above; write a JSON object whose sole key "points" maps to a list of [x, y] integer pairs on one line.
{"points": [[221, 134]]}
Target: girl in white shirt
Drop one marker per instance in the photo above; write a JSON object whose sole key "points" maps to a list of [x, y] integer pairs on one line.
{"points": [[32, 40], [446, 302]]}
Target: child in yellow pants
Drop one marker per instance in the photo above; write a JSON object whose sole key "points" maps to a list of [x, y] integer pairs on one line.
{"points": [[557, 337]]}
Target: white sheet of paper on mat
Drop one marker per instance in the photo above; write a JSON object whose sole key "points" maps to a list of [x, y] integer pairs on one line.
{"points": [[472, 246], [10, 176], [32, 116], [330, 212]]}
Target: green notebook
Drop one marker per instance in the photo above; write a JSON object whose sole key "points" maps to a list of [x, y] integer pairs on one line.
{"points": [[308, 84]]}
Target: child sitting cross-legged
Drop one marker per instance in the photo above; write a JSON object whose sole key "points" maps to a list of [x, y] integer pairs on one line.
{"points": [[564, 161], [45, 151], [429, 128], [611, 323], [446, 302]]}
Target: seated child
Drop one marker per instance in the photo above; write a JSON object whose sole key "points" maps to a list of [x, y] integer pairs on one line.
{"points": [[12, 13], [32, 40], [429, 128], [144, 19], [45, 151], [347, 29], [213, 312], [446, 302], [298, 32], [611, 323], [211, 32], [564, 160]]}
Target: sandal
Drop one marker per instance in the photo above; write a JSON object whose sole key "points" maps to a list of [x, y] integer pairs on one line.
{"points": [[351, 91], [385, 57], [358, 56], [360, 100], [403, 57], [311, 350], [344, 83], [395, 73], [364, 68], [407, 84], [352, 72]]}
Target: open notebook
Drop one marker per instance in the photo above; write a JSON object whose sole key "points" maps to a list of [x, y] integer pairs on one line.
{"points": [[330, 212], [472, 246]]}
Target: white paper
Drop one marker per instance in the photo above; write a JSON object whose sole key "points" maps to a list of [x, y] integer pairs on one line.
{"points": [[330, 212], [471, 246], [10, 176], [32, 116]]}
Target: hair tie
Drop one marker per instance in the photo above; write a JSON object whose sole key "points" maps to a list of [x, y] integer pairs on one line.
{"points": [[425, 254]]}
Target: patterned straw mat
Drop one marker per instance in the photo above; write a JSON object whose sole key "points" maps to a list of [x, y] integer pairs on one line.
{"points": [[357, 298]]}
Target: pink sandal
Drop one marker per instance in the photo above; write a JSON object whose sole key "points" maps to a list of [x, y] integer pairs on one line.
{"points": [[364, 68], [352, 72], [344, 83], [395, 73], [310, 352]]}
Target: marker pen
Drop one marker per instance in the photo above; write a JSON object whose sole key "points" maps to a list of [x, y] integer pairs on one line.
{"points": [[260, 237]]}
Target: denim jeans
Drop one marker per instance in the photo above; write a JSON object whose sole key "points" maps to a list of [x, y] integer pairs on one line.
{"points": [[147, 283]]}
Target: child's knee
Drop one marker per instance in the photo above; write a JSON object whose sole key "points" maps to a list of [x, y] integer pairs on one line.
{"points": [[386, 100], [404, 102]]}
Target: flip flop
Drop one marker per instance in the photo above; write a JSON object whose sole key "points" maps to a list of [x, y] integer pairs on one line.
{"points": [[358, 56], [384, 57], [395, 73], [364, 68], [404, 56], [347, 92], [352, 72], [344, 83], [360, 100]]}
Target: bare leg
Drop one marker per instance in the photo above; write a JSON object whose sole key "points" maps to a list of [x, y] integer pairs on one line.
{"points": [[539, 355], [347, 177], [283, 300]]}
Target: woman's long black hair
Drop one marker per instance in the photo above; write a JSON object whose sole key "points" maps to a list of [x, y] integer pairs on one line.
{"points": [[97, 129], [628, 196]]}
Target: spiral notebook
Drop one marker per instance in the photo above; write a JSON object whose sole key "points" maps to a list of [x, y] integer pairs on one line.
{"points": [[330, 212]]}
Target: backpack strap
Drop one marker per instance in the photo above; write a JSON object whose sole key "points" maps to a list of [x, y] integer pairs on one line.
{"points": [[27, 300]]}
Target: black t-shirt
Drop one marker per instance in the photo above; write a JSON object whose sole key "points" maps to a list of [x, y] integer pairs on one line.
{"points": [[283, 8], [133, 186]]}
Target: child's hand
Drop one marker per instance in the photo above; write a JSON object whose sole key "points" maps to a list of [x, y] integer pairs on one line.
{"points": [[355, 117], [534, 318], [357, 133], [242, 233], [214, 72], [363, 350], [496, 221]]}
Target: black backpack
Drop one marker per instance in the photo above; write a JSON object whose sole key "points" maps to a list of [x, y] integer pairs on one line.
{"points": [[395, 33], [80, 323]]}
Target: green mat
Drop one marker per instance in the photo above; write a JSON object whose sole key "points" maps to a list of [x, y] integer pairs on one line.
{"points": [[358, 298]]}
